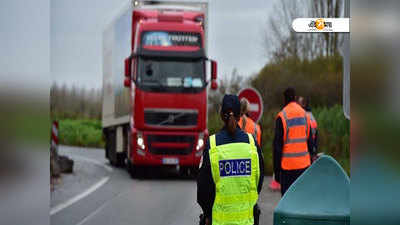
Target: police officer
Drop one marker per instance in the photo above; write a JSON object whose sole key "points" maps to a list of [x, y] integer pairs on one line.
{"points": [[246, 123], [292, 142], [231, 172]]}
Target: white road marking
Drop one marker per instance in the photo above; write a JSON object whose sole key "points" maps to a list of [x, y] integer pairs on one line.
{"points": [[93, 188], [98, 209], [82, 195], [92, 214]]}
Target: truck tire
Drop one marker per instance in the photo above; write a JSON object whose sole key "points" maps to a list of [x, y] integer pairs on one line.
{"points": [[194, 171], [129, 166], [188, 172], [120, 162], [110, 146], [120, 156], [133, 170], [115, 158], [106, 142]]}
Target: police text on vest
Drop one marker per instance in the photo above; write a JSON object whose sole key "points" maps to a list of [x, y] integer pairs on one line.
{"points": [[235, 167]]}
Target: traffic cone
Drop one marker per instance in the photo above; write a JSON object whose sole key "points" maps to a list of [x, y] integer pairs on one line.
{"points": [[273, 185]]}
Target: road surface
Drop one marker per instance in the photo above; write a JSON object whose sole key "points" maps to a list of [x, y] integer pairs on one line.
{"points": [[98, 195]]}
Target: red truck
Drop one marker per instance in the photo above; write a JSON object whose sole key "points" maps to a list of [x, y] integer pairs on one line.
{"points": [[160, 117]]}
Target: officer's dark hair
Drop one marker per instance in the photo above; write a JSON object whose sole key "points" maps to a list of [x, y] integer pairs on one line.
{"points": [[289, 94]]}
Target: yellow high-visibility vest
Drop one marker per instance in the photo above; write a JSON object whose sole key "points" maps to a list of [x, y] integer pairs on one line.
{"points": [[235, 170]]}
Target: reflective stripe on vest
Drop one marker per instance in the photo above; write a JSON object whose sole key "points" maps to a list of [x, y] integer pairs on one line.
{"points": [[295, 154], [235, 171]]}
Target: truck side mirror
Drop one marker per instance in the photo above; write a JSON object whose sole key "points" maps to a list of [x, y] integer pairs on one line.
{"points": [[128, 71], [128, 67], [214, 84], [127, 82]]}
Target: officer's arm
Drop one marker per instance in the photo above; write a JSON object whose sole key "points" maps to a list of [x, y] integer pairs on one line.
{"points": [[310, 141], [259, 134], [277, 146], [261, 162], [310, 145], [205, 184]]}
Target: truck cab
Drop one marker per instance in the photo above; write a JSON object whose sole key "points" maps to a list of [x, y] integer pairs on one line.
{"points": [[166, 75]]}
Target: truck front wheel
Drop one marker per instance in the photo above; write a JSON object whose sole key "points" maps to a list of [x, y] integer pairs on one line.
{"points": [[133, 170], [194, 171], [115, 158]]}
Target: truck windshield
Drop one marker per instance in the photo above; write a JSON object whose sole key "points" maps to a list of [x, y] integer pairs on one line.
{"points": [[171, 75]]}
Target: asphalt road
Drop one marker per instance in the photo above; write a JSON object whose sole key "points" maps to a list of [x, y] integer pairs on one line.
{"points": [[98, 195]]}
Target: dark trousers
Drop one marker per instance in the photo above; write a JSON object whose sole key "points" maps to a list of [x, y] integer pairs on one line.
{"points": [[288, 177]]}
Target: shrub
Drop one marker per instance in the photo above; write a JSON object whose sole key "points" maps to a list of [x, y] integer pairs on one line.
{"points": [[85, 133]]}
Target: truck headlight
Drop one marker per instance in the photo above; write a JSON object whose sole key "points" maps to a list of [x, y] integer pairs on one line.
{"points": [[140, 140], [200, 142]]}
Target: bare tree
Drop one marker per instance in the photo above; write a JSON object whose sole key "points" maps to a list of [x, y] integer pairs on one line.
{"points": [[228, 85], [281, 41], [231, 84]]}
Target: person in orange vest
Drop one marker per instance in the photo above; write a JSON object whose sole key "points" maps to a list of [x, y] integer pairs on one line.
{"points": [[246, 123], [292, 142], [305, 103]]}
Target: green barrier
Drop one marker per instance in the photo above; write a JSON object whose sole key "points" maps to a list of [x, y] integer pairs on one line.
{"points": [[321, 195]]}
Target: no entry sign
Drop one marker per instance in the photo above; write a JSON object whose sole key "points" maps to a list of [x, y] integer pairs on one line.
{"points": [[256, 107]]}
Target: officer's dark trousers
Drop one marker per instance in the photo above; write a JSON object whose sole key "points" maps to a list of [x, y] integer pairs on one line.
{"points": [[288, 177]]}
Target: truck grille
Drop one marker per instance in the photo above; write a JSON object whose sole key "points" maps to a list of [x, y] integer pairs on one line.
{"points": [[163, 144], [184, 118]]}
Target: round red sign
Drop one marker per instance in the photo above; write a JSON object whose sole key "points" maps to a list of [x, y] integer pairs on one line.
{"points": [[256, 106]]}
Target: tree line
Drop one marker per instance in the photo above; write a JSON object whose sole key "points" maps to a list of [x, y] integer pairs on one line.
{"points": [[75, 102]]}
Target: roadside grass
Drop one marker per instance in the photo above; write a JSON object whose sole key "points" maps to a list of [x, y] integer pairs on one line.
{"points": [[81, 132]]}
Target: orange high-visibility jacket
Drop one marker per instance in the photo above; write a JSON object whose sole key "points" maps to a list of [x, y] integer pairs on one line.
{"points": [[249, 126], [296, 130]]}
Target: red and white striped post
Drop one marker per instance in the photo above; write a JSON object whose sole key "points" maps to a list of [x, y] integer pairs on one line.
{"points": [[54, 135]]}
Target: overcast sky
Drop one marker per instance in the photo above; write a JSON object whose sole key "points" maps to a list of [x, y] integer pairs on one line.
{"points": [[236, 29], [24, 44]]}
